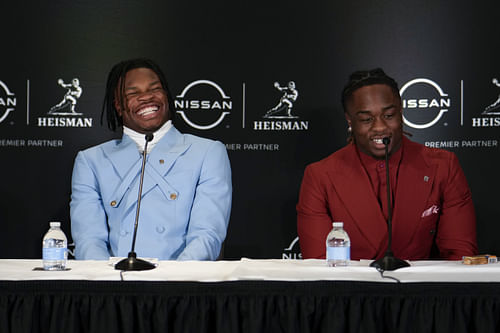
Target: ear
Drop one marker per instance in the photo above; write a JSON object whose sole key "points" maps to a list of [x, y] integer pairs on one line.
{"points": [[348, 118], [117, 107]]}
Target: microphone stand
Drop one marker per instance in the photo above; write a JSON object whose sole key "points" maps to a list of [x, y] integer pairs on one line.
{"points": [[132, 263], [389, 262]]}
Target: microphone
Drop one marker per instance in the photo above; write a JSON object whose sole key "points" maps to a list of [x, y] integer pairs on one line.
{"points": [[388, 262], [132, 263]]}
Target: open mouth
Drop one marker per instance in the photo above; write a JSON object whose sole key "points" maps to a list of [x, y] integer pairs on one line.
{"points": [[378, 141], [147, 111]]}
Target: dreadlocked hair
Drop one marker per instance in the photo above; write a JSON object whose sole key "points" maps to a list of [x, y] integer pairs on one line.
{"points": [[361, 79], [115, 85]]}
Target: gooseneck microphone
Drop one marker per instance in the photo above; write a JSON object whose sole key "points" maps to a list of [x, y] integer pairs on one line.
{"points": [[388, 262], [132, 263]]}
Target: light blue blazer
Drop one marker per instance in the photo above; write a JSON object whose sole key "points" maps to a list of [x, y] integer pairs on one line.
{"points": [[185, 205]]}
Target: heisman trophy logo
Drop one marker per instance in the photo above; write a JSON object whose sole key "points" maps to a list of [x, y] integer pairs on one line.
{"points": [[65, 110], [494, 108], [68, 103], [280, 117], [284, 107]]}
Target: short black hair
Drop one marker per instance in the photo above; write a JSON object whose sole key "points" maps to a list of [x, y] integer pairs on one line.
{"points": [[115, 83], [361, 79]]}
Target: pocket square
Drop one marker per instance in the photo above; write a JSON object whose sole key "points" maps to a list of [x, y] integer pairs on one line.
{"points": [[434, 209]]}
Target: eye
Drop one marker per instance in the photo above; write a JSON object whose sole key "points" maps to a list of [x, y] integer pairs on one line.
{"points": [[366, 120], [389, 115]]}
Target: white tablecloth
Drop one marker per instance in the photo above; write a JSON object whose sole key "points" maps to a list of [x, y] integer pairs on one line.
{"points": [[248, 269]]}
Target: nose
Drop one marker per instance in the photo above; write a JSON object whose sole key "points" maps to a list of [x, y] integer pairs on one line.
{"points": [[379, 124], [144, 96]]}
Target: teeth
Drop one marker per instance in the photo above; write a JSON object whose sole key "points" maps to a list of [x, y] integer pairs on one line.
{"points": [[147, 110], [379, 141]]}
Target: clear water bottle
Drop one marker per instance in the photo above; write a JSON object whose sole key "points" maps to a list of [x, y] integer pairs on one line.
{"points": [[54, 248], [338, 246]]}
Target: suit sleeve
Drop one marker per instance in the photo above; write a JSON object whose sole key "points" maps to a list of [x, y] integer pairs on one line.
{"points": [[314, 220], [88, 218], [211, 207], [456, 236]]}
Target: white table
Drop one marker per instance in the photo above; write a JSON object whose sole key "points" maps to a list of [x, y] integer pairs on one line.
{"points": [[249, 296], [248, 269]]}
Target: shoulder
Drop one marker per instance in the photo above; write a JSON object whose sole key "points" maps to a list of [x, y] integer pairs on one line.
{"points": [[337, 159], [431, 156], [200, 144], [101, 148], [103, 153], [195, 150], [198, 140], [210, 155]]}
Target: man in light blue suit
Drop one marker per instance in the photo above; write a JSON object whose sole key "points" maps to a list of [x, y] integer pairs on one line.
{"points": [[186, 198]]}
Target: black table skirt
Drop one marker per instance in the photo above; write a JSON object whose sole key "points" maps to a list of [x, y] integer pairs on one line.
{"points": [[248, 306]]}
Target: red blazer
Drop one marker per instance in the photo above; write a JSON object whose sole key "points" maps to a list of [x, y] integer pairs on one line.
{"points": [[432, 203]]}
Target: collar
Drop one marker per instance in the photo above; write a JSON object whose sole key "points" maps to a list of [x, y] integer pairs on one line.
{"points": [[140, 140], [371, 163]]}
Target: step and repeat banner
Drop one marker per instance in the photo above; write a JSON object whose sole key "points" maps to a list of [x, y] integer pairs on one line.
{"points": [[263, 78]]}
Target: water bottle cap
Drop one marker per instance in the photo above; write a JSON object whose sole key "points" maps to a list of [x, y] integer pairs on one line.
{"points": [[55, 224], [338, 224]]}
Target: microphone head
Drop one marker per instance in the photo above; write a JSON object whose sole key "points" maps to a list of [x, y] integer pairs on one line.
{"points": [[149, 137], [386, 140]]}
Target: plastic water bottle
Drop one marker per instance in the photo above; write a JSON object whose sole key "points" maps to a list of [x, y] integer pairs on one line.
{"points": [[54, 248], [338, 246]]}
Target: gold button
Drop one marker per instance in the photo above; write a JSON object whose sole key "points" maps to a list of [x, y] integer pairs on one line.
{"points": [[173, 196], [113, 203], [162, 161]]}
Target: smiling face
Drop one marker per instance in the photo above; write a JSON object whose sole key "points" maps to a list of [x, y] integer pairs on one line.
{"points": [[374, 112], [143, 105]]}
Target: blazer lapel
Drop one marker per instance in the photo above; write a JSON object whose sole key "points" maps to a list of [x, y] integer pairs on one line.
{"points": [[127, 161], [415, 180], [162, 159], [166, 152], [124, 156], [361, 205]]}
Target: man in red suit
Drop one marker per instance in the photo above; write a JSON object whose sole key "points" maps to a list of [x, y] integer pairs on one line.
{"points": [[433, 214]]}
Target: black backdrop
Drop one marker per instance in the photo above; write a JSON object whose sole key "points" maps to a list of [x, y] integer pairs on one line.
{"points": [[447, 52]]}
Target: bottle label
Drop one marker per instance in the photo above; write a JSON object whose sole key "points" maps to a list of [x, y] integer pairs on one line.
{"points": [[54, 253], [338, 253]]}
